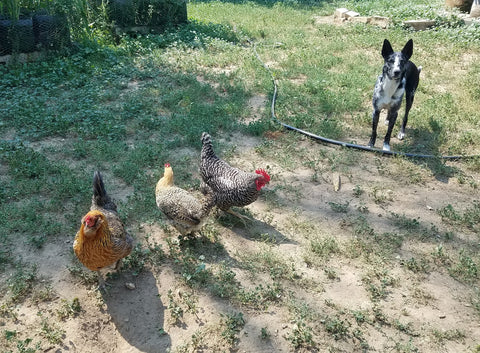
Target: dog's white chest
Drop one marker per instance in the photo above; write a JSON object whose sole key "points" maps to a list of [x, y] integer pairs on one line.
{"points": [[388, 92]]}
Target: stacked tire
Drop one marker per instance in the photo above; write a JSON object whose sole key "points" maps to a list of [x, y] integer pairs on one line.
{"points": [[36, 32], [16, 36]]}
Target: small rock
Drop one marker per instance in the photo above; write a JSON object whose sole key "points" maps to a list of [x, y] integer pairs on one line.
{"points": [[336, 181], [130, 285], [443, 316]]}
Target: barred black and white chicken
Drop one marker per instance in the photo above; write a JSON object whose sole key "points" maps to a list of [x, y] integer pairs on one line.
{"points": [[184, 211], [230, 186]]}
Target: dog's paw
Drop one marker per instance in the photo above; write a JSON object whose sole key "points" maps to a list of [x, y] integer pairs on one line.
{"points": [[401, 135], [386, 147]]}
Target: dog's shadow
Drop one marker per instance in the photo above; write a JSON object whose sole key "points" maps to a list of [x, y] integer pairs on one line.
{"points": [[421, 142], [138, 313]]}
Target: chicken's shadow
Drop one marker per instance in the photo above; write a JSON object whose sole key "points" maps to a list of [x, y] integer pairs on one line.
{"points": [[254, 229], [138, 314]]}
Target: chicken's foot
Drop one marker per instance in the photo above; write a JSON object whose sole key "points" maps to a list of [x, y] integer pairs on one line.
{"points": [[102, 284]]}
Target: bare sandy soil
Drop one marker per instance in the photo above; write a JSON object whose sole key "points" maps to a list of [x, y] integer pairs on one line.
{"points": [[429, 310]]}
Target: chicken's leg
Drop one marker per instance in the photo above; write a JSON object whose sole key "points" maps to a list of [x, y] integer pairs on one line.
{"points": [[243, 218], [101, 281]]}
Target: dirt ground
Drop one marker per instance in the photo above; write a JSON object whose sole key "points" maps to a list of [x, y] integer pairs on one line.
{"points": [[138, 320]]}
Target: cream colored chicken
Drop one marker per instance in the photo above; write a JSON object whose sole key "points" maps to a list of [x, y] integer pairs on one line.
{"points": [[184, 211]]}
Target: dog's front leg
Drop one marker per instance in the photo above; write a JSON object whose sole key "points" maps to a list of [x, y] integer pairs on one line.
{"points": [[392, 118], [408, 104], [373, 137]]}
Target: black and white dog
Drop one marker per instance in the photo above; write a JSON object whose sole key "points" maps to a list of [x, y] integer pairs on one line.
{"points": [[400, 76]]}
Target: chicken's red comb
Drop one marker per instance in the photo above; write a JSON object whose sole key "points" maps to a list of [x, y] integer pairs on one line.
{"points": [[167, 165], [264, 173]]}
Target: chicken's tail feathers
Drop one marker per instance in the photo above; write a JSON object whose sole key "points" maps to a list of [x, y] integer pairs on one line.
{"points": [[207, 149], [206, 138], [100, 196]]}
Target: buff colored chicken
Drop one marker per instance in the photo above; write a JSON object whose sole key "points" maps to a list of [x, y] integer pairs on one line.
{"points": [[184, 211], [230, 186], [102, 239]]}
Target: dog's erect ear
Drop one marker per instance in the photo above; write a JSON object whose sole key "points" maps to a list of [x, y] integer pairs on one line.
{"points": [[386, 49], [408, 49]]}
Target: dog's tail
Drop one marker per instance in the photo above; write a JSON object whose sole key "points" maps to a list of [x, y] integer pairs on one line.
{"points": [[419, 69]]}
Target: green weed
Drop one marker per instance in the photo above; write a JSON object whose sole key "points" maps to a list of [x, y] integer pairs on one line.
{"points": [[337, 327], [53, 333], [233, 324], [448, 335], [264, 334], [358, 191], [470, 218], [301, 335], [269, 261], [339, 208], [261, 296], [440, 256], [225, 285], [23, 346], [43, 293], [21, 282], [405, 223], [321, 249], [360, 316], [176, 311], [87, 277], [417, 266], [378, 283], [465, 269], [69, 309]]}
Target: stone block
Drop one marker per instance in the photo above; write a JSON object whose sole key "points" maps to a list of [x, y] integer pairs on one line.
{"points": [[360, 19], [470, 21], [419, 25], [340, 13], [380, 21], [351, 14]]}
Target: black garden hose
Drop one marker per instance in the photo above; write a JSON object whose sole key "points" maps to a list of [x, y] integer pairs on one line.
{"points": [[341, 143]]}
